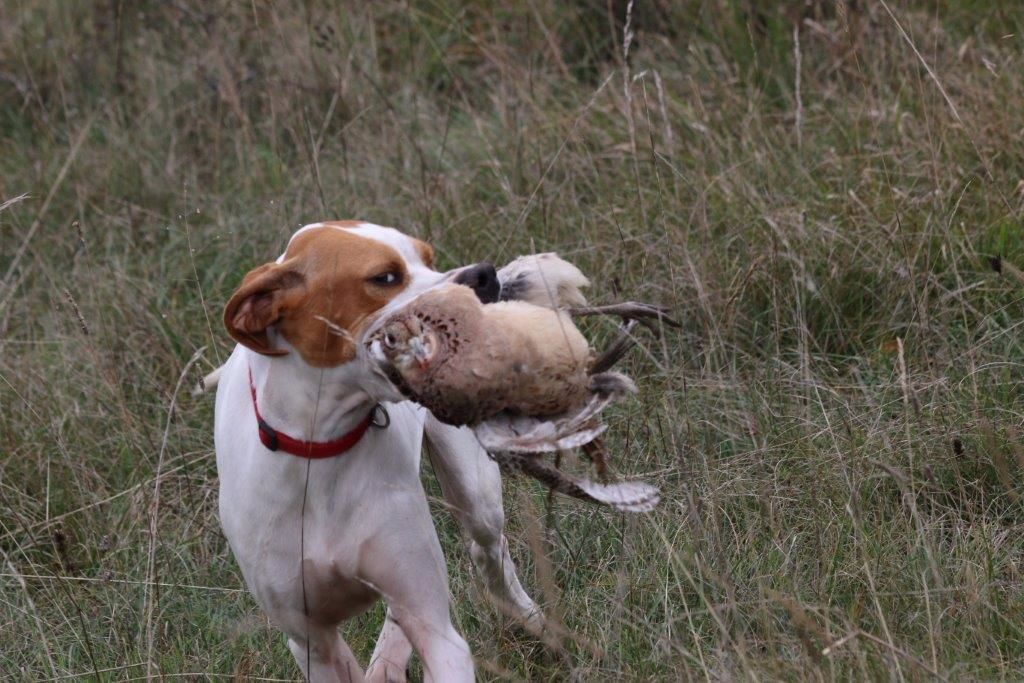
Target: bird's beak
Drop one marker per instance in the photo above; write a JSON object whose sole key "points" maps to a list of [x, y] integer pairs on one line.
{"points": [[419, 352]]}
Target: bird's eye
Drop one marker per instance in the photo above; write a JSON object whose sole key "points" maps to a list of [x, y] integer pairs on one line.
{"points": [[389, 340], [387, 279]]}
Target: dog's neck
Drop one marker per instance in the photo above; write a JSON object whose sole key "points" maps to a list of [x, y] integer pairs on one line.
{"points": [[308, 403]]}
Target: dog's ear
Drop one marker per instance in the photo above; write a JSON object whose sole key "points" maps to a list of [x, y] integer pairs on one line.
{"points": [[259, 302]]}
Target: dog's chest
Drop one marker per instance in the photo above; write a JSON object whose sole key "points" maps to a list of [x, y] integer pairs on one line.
{"points": [[334, 591], [325, 585]]}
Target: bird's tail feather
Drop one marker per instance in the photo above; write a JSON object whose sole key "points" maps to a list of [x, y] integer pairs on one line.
{"points": [[628, 496]]}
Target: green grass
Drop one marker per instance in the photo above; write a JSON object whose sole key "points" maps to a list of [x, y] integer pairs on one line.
{"points": [[837, 429]]}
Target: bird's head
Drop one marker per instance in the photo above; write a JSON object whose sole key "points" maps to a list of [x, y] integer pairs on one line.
{"points": [[409, 344]]}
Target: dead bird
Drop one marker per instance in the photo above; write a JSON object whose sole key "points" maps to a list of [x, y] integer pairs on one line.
{"points": [[467, 362], [521, 375]]}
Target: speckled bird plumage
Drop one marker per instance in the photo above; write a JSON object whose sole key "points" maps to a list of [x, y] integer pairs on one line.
{"points": [[468, 362], [518, 372]]}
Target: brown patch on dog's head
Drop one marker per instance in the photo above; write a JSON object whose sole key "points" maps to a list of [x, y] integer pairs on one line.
{"points": [[319, 297], [425, 251]]}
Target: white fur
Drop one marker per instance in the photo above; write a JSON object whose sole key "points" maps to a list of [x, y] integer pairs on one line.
{"points": [[312, 554]]}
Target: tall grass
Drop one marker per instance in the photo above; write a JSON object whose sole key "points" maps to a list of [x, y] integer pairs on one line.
{"points": [[837, 430]]}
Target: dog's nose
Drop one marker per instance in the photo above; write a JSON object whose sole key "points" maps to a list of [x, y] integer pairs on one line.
{"points": [[482, 279]]}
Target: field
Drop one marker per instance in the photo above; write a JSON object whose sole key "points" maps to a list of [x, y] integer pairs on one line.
{"points": [[827, 194]]}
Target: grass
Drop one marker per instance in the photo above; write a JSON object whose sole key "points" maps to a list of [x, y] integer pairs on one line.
{"points": [[837, 428]]}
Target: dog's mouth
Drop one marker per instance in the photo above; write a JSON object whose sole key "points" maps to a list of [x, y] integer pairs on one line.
{"points": [[379, 345], [482, 278]]}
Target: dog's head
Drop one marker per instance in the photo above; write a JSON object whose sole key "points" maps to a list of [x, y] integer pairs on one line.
{"points": [[328, 285]]}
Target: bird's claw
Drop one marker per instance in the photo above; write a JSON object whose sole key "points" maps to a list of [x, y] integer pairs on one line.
{"points": [[632, 313], [648, 315]]}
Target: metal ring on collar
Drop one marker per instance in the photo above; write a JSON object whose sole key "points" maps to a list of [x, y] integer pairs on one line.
{"points": [[379, 417]]}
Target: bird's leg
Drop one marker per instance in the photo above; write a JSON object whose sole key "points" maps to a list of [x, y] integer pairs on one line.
{"points": [[596, 453], [647, 314], [632, 312], [551, 522], [619, 348]]}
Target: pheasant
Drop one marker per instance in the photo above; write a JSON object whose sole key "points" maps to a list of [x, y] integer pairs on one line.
{"points": [[467, 362], [518, 372]]}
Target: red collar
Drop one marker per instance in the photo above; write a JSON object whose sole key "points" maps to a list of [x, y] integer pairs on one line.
{"points": [[313, 450]]}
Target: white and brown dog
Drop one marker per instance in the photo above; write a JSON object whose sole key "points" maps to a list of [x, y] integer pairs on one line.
{"points": [[320, 493]]}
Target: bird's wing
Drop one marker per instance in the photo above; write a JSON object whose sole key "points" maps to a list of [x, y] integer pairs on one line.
{"points": [[572, 429], [519, 434]]}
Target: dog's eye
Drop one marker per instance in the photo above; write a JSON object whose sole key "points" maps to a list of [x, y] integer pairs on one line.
{"points": [[387, 279]]}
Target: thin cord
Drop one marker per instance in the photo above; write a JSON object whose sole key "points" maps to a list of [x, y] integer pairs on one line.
{"points": [[302, 566], [302, 527], [302, 515]]}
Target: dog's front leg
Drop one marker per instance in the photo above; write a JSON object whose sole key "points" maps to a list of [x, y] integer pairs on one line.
{"points": [[471, 483], [322, 654], [391, 654]]}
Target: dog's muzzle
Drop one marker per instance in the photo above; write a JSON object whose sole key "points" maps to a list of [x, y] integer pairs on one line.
{"points": [[482, 278]]}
